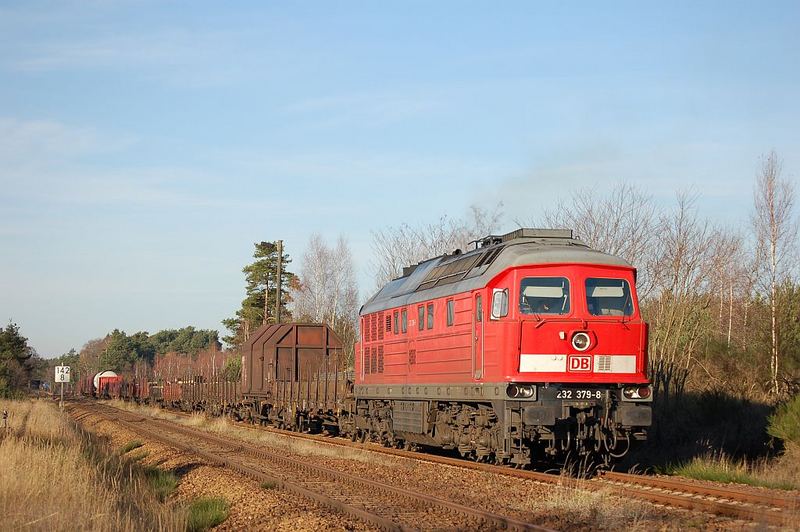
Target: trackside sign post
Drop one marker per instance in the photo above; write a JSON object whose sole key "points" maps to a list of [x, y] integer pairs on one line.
{"points": [[62, 376]]}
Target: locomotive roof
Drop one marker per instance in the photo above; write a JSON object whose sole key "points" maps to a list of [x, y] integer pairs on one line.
{"points": [[449, 274]]}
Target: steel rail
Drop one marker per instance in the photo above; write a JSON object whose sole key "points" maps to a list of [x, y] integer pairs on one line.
{"points": [[722, 492], [772, 516], [493, 520]]}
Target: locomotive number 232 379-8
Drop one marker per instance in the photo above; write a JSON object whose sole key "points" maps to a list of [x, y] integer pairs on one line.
{"points": [[579, 394]]}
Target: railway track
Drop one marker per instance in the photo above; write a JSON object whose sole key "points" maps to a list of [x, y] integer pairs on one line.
{"points": [[737, 503], [383, 505], [721, 500]]}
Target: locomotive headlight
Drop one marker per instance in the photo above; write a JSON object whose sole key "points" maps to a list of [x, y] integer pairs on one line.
{"points": [[521, 391], [637, 393], [630, 393], [581, 341]]}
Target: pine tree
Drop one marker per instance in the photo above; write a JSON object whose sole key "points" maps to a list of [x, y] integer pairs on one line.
{"points": [[15, 360], [261, 279]]}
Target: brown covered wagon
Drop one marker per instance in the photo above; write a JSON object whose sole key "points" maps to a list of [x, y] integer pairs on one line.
{"points": [[294, 376]]}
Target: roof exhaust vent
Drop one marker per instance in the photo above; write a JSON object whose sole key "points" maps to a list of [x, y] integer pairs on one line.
{"points": [[487, 241], [408, 270], [526, 232]]}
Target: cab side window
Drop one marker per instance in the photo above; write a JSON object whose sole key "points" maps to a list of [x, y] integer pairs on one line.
{"points": [[430, 315]]}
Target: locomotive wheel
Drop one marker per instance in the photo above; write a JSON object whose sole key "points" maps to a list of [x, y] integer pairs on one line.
{"points": [[411, 446]]}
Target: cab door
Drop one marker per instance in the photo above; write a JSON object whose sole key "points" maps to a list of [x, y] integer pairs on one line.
{"points": [[477, 337]]}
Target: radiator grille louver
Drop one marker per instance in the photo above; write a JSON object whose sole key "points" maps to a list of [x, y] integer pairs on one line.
{"points": [[454, 270]]}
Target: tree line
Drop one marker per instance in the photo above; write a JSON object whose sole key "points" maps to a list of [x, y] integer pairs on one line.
{"points": [[136, 353], [723, 303]]}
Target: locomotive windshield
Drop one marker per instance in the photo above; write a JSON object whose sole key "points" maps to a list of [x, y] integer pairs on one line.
{"points": [[544, 295], [608, 297]]}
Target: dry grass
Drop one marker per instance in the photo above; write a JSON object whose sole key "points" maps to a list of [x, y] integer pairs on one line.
{"points": [[781, 473], [595, 509], [55, 477]]}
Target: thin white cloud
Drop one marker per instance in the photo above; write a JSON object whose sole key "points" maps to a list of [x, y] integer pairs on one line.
{"points": [[43, 160], [178, 57], [369, 108], [169, 48], [367, 168], [26, 139], [717, 172]]}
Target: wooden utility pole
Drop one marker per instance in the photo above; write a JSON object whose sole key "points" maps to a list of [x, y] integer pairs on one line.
{"points": [[278, 283]]}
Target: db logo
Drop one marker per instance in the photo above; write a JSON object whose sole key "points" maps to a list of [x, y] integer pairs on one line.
{"points": [[580, 363]]}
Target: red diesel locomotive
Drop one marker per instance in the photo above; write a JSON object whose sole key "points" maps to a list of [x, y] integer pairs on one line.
{"points": [[529, 347]]}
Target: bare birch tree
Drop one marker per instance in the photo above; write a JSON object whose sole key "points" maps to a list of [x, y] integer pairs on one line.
{"points": [[327, 291], [404, 245], [678, 311], [775, 231], [732, 282]]}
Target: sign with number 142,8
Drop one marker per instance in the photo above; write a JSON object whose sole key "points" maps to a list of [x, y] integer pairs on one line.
{"points": [[62, 373]]}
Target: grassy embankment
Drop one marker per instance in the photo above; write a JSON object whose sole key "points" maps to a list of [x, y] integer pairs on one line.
{"points": [[54, 476], [781, 472]]}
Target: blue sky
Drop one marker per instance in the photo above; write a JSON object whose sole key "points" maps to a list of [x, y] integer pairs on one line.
{"points": [[144, 146]]}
